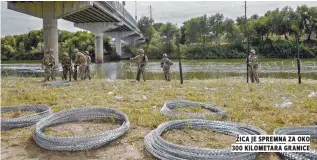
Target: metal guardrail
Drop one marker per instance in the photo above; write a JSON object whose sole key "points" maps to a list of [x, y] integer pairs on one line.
{"points": [[119, 8]]}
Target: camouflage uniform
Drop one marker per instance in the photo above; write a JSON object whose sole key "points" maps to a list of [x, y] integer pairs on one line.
{"points": [[253, 67], [66, 64], [87, 70], [141, 61], [81, 61], [49, 63], [166, 65]]}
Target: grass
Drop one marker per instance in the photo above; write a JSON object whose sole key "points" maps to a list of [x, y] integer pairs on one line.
{"points": [[199, 138], [82, 128], [245, 103], [191, 109], [16, 113]]}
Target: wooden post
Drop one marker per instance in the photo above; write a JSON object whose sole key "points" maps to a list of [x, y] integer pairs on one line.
{"points": [[298, 64], [179, 59], [247, 37], [70, 59]]}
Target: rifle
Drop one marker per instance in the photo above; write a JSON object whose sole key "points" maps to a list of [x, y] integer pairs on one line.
{"points": [[53, 73], [75, 72]]}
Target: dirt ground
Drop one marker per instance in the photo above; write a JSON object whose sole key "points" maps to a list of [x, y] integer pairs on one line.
{"points": [[207, 139], [129, 146], [199, 138]]}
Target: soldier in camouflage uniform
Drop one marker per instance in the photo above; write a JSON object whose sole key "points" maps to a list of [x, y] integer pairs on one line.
{"points": [[49, 64], [253, 67], [81, 61], [66, 64], [166, 65], [87, 70], [141, 61]]}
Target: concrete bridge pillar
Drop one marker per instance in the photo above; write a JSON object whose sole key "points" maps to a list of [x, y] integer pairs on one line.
{"points": [[50, 32], [98, 28], [99, 48], [118, 43]]}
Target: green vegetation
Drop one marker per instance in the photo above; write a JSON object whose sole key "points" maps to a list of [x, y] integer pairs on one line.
{"points": [[30, 46], [273, 35]]}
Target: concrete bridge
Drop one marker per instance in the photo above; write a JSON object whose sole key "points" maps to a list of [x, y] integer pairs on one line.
{"points": [[100, 17]]}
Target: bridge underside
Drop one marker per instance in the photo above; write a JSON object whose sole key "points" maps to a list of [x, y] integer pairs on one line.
{"points": [[90, 15], [100, 17]]}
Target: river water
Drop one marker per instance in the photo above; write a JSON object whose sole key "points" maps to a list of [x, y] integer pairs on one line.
{"points": [[192, 69]]}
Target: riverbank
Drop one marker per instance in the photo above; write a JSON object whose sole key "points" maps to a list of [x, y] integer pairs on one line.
{"points": [[246, 103]]}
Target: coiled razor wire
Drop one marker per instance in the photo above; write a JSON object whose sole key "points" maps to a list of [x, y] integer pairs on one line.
{"points": [[302, 130], [168, 107], [162, 149], [57, 84], [78, 143], [9, 123], [192, 69]]}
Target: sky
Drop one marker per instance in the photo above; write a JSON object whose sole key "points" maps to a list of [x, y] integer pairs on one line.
{"points": [[162, 11]]}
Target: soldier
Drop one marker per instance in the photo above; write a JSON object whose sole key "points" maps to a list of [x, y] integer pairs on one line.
{"points": [[166, 65], [141, 61], [253, 67], [87, 70], [66, 64], [49, 64], [81, 61]]}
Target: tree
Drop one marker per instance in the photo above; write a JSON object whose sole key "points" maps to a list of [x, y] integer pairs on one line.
{"points": [[8, 45], [308, 17], [197, 29], [145, 25], [183, 38], [228, 27], [32, 39], [192, 28], [168, 30], [284, 21], [204, 30], [259, 26], [216, 24], [157, 26], [254, 17]]}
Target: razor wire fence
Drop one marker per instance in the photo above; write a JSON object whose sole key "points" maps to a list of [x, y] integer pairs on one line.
{"points": [[192, 69]]}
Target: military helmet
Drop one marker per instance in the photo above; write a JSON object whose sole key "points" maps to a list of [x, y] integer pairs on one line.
{"points": [[252, 51], [164, 55], [64, 54], [75, 50], [141, 51], [86, 53]]}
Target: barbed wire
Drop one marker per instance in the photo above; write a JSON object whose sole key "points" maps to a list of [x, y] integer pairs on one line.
{"points": [[192, 69]]}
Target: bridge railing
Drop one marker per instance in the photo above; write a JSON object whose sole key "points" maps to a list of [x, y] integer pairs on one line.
{"points": [[119, 7]]}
